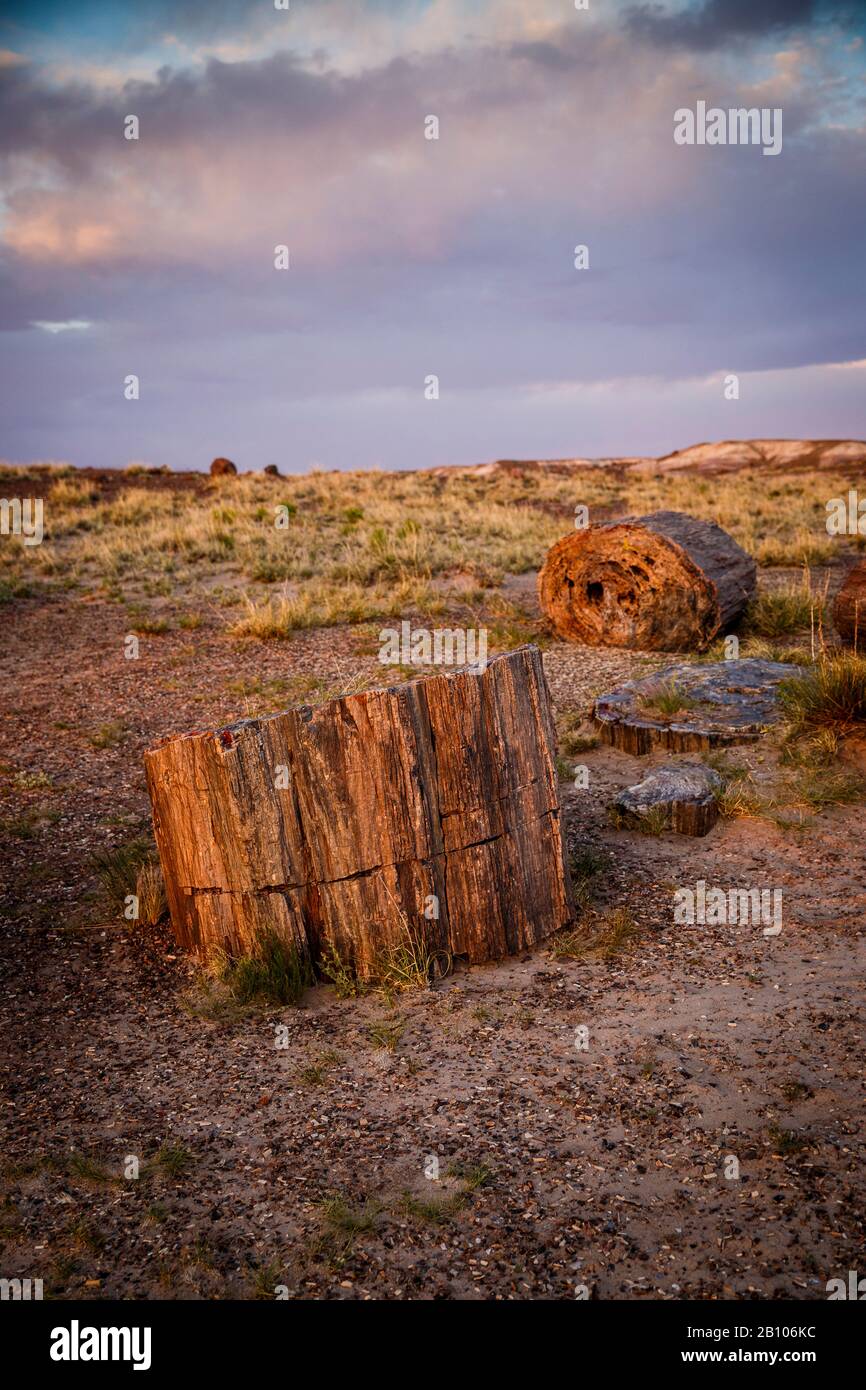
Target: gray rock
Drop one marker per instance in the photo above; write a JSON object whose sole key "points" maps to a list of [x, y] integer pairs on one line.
{"points": [[678, 796]]}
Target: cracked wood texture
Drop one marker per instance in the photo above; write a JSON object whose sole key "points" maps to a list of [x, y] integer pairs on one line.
{"points": [[662, 582], [337, 826]]}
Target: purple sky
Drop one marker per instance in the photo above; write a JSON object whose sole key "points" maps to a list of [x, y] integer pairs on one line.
{"points": [[412, 257]]}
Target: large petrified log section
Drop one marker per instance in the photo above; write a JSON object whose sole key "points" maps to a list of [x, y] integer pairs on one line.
{"points": [[849, 608], [429, 808], [721, 703], [663, 582]]}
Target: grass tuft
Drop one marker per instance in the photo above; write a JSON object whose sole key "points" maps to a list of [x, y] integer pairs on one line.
{"points": [[315, 1072], [150, 891], [666, 698], [789, 609], [386, 1033], [604, 934], [411, 964], [341, 974], [348, 1218], [276, 973], [118, 868], [173, 1158], [830, 693]]}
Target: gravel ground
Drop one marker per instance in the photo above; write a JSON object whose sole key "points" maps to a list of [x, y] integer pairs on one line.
{"points": [[563, 1170]]}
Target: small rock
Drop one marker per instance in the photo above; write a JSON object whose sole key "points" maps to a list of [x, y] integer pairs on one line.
{"points": [[222, 468], [272, 470], [678, 796]]}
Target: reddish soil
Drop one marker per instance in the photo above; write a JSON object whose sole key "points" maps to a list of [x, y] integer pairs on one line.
{"points": [[605, 1167]]}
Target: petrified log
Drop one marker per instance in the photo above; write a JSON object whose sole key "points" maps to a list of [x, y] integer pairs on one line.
{"points": [[693, 707], [663, 582], [424, 812], [679, 796], [222, 468], [849, 608]]}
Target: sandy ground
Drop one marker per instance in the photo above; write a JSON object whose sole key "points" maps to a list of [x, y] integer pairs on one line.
{"points": [[563, 1169]]}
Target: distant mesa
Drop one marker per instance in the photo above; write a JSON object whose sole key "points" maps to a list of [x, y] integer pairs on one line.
{"points": [[729, 456], [222, 468], [732, 455]]}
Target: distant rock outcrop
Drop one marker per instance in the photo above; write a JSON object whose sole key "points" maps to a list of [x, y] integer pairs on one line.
{"points": [[272, 470], [732, 455], [222, 468], [729, 456]]}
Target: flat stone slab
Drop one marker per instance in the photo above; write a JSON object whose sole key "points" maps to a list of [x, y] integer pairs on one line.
{"points": [[723, 702], [678, 796]]}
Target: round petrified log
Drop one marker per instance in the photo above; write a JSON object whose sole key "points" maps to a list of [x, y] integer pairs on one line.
{"points": [[222, 468], [849, 609], [663, 582]]}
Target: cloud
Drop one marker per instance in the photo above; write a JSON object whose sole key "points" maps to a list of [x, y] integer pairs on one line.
{"points": [[411, 256], [717, 22], [64, 326], [239, 157]]}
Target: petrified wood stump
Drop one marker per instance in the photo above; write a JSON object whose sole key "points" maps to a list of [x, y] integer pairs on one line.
{"points": [[721, 703], [665, 582], [682, 795], [429, 808], [849, 608]]}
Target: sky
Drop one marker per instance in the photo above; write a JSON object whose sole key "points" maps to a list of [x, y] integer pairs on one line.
{"points": [[411, 258]]}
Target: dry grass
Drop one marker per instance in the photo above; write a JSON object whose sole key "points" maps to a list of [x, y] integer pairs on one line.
{"points": [[410, 963], [793, 608], [361, 547], [604, 934], [665, 699], [119, 868], [832, 693], [574, 734], [810, 778], [150, 891]]}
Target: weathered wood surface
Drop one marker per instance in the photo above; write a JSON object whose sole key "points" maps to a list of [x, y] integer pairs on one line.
{"points": [[338, 826], [728, 702], [849, 608], [684, 795], [663, 582]]}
